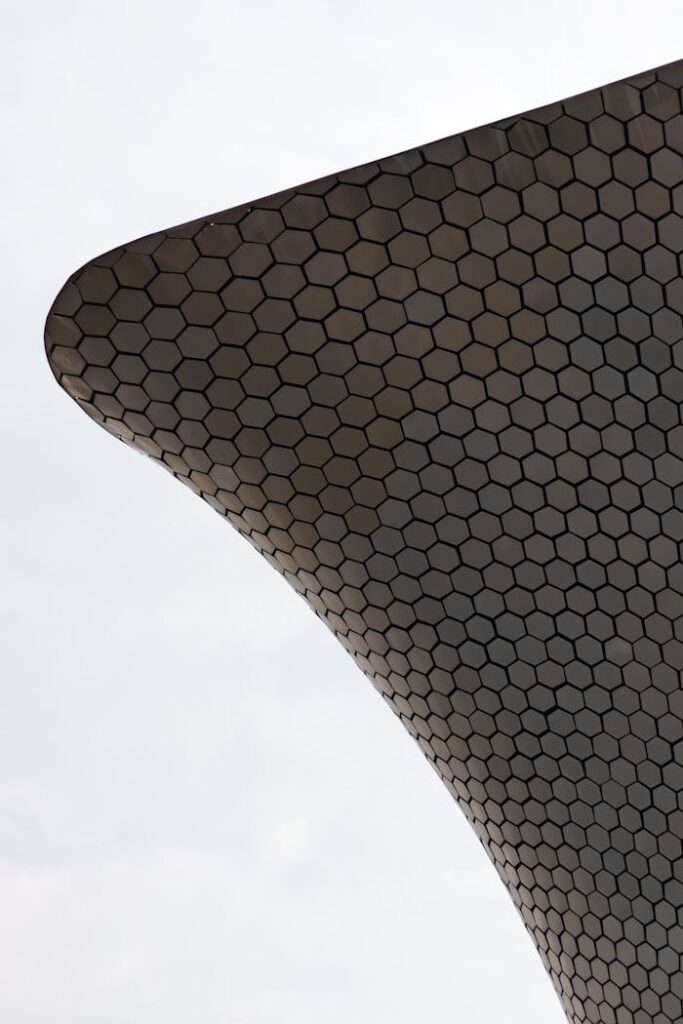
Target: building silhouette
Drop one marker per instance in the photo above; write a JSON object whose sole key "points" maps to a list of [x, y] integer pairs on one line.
{"points": [[441, 393]]}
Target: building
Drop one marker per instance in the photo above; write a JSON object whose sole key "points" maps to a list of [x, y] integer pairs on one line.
{"points": [[441, 393]]}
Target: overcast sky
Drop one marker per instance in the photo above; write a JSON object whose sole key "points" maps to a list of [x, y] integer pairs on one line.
{"points": [[206, 812]]}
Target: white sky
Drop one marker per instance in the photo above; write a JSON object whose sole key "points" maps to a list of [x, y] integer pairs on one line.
{"points": [[206, 813]]}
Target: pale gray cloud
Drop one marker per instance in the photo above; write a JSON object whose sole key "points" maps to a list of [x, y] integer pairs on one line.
{"points": [[205, 812]]}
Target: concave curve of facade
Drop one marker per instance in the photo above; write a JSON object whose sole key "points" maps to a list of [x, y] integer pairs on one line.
{"points": [[441, 393]]}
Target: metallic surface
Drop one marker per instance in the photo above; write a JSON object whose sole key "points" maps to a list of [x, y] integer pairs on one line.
{"points": [[441, 393]]}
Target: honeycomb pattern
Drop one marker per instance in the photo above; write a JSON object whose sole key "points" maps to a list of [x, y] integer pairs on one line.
{"points": [[441, 393]]}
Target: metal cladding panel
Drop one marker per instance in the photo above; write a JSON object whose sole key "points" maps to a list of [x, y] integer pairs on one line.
{"points": [[441, 393]]}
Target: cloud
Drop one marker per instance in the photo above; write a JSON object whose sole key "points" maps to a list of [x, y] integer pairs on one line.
{"points": [[205, 811]]}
